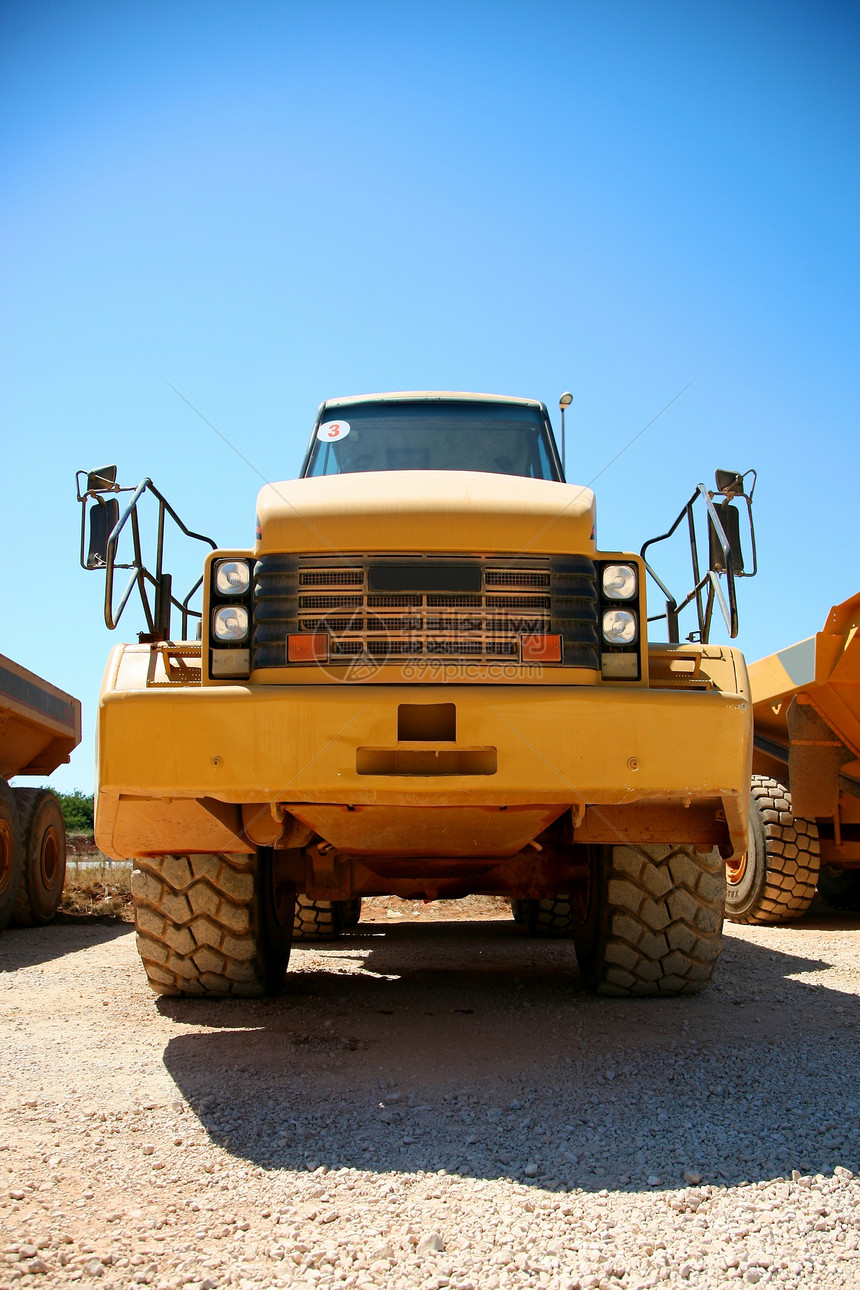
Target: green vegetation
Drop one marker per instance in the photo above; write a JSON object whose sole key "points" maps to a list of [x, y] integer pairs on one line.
{"points": [[77, 810]]}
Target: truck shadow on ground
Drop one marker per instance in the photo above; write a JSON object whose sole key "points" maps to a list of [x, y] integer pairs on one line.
{"points": [[23, 947], [468, 1048]]}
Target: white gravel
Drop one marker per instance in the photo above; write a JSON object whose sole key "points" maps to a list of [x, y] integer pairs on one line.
{"points": [[433, 1105]]}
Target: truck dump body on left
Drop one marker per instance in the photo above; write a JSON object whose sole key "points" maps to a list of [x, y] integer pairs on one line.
{"points": [[40, 725]]}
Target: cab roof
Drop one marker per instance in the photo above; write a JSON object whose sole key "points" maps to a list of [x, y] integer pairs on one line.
{"points": [[458, 396]]}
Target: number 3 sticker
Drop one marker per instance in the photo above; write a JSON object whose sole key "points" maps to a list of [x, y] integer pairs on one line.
{"points": [[330, 431]]}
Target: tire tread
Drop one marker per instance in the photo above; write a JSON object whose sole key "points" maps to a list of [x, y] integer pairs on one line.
{"points": [[791, 858], [659, 924], [197, 924]]}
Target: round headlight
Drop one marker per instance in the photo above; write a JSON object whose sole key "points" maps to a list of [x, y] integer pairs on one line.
{"points": [[230, 623], [619, 627], [232, 577], [619, 581]]}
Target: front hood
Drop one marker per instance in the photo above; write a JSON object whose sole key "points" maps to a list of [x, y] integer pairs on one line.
{"points": [[426, 510]]}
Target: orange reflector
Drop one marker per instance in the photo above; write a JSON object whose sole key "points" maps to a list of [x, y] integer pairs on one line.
{"points": [[541, 649], [309, 648]]}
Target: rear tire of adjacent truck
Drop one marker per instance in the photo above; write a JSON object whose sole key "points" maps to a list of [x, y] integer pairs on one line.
{"points": [[43, 847], [776, 879], [654, 920], [211, 924], [11, 853]]}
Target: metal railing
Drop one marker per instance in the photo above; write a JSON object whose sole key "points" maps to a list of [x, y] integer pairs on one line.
{"points": [[99, 551], [725, 557]]}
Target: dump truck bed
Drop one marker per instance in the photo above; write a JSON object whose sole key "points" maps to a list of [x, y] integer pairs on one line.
{"points": [[40, 724], [806, 711], [822, 673]]}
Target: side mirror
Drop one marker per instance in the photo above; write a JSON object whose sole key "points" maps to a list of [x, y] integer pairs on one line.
{"points": [[104, 514], [729, 482], [101, 481], [731, 521]]}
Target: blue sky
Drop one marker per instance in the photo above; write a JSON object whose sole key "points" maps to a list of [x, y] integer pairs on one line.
{"points": [[268, 204]]}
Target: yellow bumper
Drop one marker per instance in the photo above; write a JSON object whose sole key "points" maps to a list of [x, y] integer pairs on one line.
{"points": [[514, 745]]}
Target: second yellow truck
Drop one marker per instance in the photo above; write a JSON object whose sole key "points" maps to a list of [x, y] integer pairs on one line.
{"points": [[805, 819]]}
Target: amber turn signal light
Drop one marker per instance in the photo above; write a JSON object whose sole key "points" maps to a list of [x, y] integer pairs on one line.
{"points": [[541, 649], [309, 648]]}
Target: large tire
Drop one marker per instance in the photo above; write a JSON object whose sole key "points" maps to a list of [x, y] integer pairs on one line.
{"points": [[11, 853], [776, 879], [212, 924], [43, 843], [839, 887], [549, 916], [318, 920], [654, 920]]}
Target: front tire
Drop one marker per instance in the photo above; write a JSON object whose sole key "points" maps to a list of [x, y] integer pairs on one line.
{"points": [[654, 920], [776, 879], [43, 843], [212, 924]]}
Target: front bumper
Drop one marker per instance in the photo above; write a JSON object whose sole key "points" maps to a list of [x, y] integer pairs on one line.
{"points": [[563, 746]]}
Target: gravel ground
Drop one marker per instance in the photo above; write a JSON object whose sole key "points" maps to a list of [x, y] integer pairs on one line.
{"points": [[430, 1103]]}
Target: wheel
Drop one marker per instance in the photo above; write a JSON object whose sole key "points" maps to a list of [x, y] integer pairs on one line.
{"points": [[43, 844], [654, 920], [212, 924], [550, 916], [350, 912], [318, 920], [776, 879], [839, 887], [11, 853], [518, 911]]}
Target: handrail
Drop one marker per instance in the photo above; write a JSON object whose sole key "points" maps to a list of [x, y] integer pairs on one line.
{"points": [[157, 613], [707, 590]]}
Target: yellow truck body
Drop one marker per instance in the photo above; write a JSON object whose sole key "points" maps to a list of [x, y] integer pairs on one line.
{"points": [[425, 703], [806, 708]]}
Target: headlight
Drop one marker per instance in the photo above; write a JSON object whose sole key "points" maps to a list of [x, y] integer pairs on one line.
{"points": [[232, 577], [619, 627], [230, 623], [619, 581]]}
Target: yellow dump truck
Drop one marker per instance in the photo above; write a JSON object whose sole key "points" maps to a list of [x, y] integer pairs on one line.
{"points": [[805, 816], [424, 679], [39, 727]]}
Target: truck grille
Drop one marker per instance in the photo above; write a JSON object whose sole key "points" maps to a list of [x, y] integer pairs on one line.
{"points": [[413, 607]]}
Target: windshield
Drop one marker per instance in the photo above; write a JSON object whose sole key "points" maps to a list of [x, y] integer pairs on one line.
{"points": [[443, 434]]}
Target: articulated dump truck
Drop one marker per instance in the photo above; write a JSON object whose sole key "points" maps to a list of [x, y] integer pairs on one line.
{"points": [[39, 727], [425, 680], [805, 815]]}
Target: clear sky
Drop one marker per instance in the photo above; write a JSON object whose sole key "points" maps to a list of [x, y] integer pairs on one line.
{"points": [[267, 204]]}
